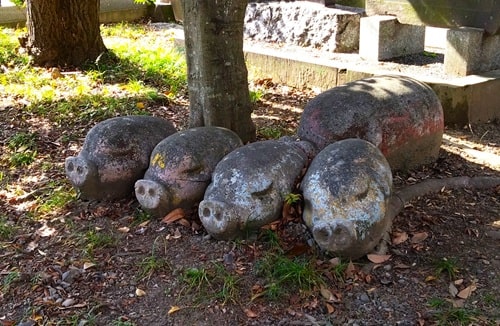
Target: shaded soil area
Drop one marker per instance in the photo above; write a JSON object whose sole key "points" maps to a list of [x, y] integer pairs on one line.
{"points": [[94, 263]]}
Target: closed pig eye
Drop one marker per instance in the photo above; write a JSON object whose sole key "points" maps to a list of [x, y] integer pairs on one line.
{"points": [[263, 189]]}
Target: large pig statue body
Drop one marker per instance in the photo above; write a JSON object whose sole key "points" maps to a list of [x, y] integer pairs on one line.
{"points": [[115, 154], [250, 184], [181, 168], [402, 116], [346, 192]]}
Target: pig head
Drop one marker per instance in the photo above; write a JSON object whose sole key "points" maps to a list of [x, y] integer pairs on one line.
{"points": [[346, 191]]}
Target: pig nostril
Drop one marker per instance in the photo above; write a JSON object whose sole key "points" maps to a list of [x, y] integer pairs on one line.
{"points": [[71, 167], [322, 234], [206, 212], [79, 170], [140, 190], [218, 216], [151, 192]]}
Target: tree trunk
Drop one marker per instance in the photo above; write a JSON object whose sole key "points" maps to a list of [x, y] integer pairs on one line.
{"points": [[217, 74], [63, 32]]}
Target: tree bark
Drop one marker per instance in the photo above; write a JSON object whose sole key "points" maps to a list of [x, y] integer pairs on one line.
{"points": [[63, 32], [217, 74]]}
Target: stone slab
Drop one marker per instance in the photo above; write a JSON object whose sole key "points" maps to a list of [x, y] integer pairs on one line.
{"points": [[483, 14], [304, 24], [470, 99]]}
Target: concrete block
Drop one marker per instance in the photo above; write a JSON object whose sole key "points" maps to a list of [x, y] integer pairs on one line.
{"points": [[471, 99], [383, 37], [163, 12], [463, 51], [483, 14], [490, 53]]}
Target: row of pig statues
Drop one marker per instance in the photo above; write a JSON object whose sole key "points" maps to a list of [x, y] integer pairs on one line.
{"points": [[349, 138]]}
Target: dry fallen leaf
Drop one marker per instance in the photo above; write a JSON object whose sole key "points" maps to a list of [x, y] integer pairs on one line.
{"points": [[350, 271], [88, 265], [399, 237], [378, 259], [124, 229], [419, 237], [327, 294], [250, 313], [329, 308], [184, 222], [174, 309], [177, 234], [465, 293], [139, 292], [430, 278], [45, 231], [173, 216], [452, 289], [143, 224]]}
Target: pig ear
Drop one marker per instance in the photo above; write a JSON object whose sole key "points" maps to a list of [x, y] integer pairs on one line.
{"points": [[261, 187]]}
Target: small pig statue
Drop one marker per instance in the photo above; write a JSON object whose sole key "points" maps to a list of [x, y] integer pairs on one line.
{"points": [[346, 192], [181, 168], [115, 154], [400, 115], [249, 186]]}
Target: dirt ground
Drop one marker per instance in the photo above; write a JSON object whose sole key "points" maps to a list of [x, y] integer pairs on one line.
{"points": [[444, 264]]}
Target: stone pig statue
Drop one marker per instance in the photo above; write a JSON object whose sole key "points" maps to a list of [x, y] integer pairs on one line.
{"points": [[346, 192], [115, 154], [181, 168], [403, 117], [250, 184]]}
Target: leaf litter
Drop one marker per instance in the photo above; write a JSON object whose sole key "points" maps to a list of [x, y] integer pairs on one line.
{"points": [[36, 256]]}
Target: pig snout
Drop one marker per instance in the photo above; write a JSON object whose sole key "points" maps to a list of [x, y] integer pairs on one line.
{"points": [[79, 170], [215, 217], [152, 196], [336, 235]]}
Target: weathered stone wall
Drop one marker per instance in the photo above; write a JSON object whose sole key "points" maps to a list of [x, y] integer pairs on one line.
{"points": [[305, 24]]}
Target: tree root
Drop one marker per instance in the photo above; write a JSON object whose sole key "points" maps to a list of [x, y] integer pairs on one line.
{"points": [[401, 197]]}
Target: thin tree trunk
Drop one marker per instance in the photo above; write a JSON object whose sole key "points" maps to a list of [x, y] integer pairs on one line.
{"points": [[217, 74], [63, 32]]}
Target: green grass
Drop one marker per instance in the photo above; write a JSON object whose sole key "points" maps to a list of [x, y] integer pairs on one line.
{"points": [[140, 216], [56, 197], [256, 95], [445, 314], [97, 240], [6, 229], [271, 132], [140, 69], [149, 265], [212, 283], [285, 276], [23, 149], [447, 266], [9, 280]]}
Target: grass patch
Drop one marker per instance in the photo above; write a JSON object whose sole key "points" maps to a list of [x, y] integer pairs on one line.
{"points": [[94, 239], [9, 280], [271, 132], [213, 283], [6, 229], [141, 68], [285, 275], [23, 149], [57, 197], [447, 266]]}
